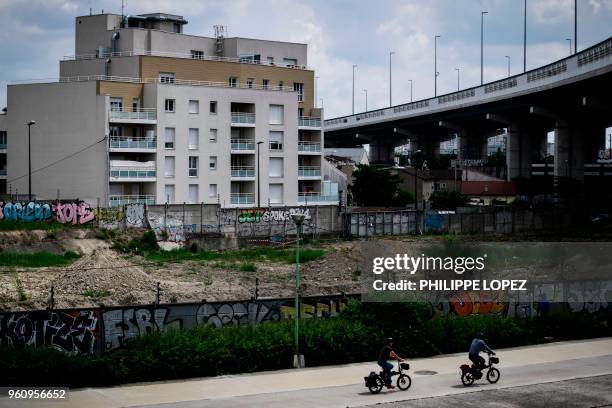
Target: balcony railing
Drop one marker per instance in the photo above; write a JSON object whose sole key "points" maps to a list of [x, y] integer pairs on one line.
{"points": [[312, 196], [246, 118], [2, 172], [304, 146], [129, 114], [242, 198], [127, 142], [243, 171], [132, 172], [309, 171], [117, 200], [242, 144], [2, 146], [307, 121]]}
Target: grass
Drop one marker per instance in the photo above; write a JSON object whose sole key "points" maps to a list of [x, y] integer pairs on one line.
{"points": [[97, 293], [31, 226], [37, 259], [248, 267], [259, 254], [21, 295]]}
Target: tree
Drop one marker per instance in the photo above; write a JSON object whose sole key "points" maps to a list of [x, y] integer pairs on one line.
{"points": [[375, 186], [448, 200]]}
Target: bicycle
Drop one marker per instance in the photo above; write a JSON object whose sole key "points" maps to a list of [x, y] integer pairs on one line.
{"points": [[469, 374], [375, 383]]}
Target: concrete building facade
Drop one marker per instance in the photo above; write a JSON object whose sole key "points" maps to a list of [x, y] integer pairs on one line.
{"points": [[145, 113]]}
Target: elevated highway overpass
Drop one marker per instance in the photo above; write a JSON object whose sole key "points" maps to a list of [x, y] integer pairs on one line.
{"points": [[571, 97]]}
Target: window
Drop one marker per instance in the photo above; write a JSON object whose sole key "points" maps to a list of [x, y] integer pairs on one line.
{"points": [[290, 62], [276, 114], [212, 190], [169, 193], [169, 105], [276, 140], [250, 58], [212, 162], [135, 104], [276, 167], [212, 137], [213, 106], [194, 138], [197, 54], [266, 83], [300, 112], [280, 85], [113, 131], [250, 82], [3, 139], [276, 194], [233, 82], [271, 60], [194, 106], [167, 77], [193, 166], [169, 166], [193, 194], [299, 88], [116, 104], [169, 138]]}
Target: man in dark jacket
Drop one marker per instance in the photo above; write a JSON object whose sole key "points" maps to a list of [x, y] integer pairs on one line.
{"points": [[476, 347], [386, 354]]}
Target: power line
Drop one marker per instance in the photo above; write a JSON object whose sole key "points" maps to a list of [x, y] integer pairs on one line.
{"points": [[60, 160]]}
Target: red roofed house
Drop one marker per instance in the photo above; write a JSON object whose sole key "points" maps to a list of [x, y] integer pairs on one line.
{"points": [[489, 192]]}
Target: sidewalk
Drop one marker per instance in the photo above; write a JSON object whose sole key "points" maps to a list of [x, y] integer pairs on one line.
{"points": [[311, 378]]}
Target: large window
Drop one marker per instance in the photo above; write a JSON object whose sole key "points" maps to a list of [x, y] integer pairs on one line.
{"points": [[276, 167], [212, 190], [169, 193], [299, 88], [213, 107], [193, 166], [276, 114], [276, 140], [169, 105], [194, 106], [290, 62], [167, 77], [193, 194], [265, 83], [197, 54], [233, 82], [169, 138], [169, 166], [276, 194], [116, 104], [194, 138], [212, 137]]}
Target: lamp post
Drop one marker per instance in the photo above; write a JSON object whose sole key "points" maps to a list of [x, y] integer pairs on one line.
{"points": [[436, 65], [29, 124], [575, 26], [298, 360], [457, 69], [410, 80], [354, 66], [482, 13], [525, 37], [366, 99], [508, 58], [258, 183], [390, 92], [570, 44]]}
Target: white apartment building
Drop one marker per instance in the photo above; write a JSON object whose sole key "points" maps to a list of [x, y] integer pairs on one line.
{"points": [[146, 113]]}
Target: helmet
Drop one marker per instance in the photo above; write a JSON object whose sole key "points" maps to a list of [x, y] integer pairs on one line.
{"points": [[479, 335], [389, 340]]}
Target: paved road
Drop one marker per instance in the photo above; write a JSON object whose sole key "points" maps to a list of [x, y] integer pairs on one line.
{"points": [[583, 392], [342, 386]]}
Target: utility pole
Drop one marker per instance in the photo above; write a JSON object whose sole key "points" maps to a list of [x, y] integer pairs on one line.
{"points": [[525, 39], [354, 66], [482, 13], [390, 91], [410, 80], [366, 99], [575, 26], [457, 69], [436, 65], [508, 58]]}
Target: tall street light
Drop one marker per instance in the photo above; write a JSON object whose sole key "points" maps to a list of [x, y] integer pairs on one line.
{"points": [[298, 219], [29, 124], [482, 13], [410, 80], [436, 65], [508, 58], [390, 92], [457, 69], [575, 26], [258, 183], [366, 99], [354, 66], [570, 44], [525, 38]]}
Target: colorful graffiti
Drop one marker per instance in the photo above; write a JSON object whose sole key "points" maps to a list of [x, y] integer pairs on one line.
{"points": [[30, 212], [135, 214], [73, 213], [268, 215]]}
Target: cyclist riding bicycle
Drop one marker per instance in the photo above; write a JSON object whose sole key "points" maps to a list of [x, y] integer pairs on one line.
{"points": [[386, 354], [476, 347]]}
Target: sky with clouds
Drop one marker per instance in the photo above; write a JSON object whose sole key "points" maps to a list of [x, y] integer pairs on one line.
{"points": [[339, 33]]}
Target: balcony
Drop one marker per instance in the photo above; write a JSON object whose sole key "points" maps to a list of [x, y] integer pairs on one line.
{"points": [[119, 200], [243, 145], [144, 116], [242, 198], [2, 146], [309, 122], [127, 172], [245, 119], [316, 197], [243, 172], [132, 144], [309, 172], [3, 172], [309, 147]]}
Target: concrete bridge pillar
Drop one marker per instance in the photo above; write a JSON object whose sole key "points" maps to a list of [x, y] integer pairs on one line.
{"points": [[381, 152]]}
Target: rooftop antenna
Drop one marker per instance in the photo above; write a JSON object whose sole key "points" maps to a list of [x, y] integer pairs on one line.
{"points": [[219, 36]]}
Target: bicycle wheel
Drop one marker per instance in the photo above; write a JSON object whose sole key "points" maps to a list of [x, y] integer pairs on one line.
{"points": [[404, 382], [467, 379], [493, 375], [376, 385]]}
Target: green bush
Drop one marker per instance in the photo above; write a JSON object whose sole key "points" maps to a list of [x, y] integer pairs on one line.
{"points": [[37, 259]]}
